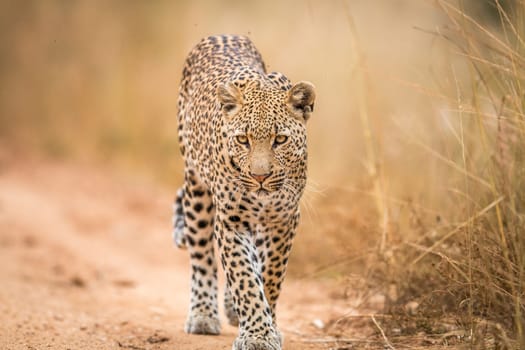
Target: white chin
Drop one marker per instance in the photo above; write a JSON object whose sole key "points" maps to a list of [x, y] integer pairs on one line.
{"points": [[262, 192]]}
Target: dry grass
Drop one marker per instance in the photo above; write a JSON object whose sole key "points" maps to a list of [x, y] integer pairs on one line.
{"points": [[461, 282]]}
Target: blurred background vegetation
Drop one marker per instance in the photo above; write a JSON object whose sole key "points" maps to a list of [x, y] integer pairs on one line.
{"points": [[418, 129], [99, 79]]}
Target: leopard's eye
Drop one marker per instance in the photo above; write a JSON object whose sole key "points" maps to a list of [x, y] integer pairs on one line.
{"points": [[280, 139], [242, 139]]}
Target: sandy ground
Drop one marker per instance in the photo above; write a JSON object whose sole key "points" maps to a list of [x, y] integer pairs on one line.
{"points": [[87, 262]]}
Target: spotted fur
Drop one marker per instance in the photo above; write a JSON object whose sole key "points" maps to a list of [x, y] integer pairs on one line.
{"points": [[242, 134]]}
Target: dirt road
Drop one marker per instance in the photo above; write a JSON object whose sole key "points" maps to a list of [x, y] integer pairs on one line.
{"points": [[87, 262]]}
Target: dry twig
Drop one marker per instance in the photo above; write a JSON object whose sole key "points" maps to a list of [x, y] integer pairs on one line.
{"points": [[387, 342]]}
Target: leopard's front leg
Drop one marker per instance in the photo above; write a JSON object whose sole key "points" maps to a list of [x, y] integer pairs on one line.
{"points": [[274, 244], [240, 262]]}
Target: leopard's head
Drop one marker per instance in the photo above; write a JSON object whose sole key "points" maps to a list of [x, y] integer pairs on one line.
{"points": [[265, 128]]}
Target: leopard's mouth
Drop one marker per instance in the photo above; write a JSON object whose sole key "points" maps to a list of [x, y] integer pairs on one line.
{"points": [[271, 185], [260, 190], [267, 188]]}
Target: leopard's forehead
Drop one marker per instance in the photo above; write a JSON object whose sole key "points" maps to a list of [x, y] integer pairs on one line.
{"points": [[263, 112]]}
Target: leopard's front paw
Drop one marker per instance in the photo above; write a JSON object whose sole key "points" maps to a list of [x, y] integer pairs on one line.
{"points": [[250, 342], [202, 325]]}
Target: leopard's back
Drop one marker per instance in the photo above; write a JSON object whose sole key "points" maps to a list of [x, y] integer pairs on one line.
{"points": [[214, 60]]}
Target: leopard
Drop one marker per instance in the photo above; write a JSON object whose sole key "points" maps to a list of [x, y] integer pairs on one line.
{"points": [[242, 137]]}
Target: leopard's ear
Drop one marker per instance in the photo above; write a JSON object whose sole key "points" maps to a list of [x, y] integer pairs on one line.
{"points": [[230, 98], [301, 98]]}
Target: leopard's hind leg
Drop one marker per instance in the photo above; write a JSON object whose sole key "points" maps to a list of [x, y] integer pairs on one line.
{"points": [[178, 220], [198, 209], [229, 307]]}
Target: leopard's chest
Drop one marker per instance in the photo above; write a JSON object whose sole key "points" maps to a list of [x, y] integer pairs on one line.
{"points": [[249, 212]]}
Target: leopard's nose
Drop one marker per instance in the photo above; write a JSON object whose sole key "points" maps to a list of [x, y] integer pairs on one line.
{"points": [[260, 177]]}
